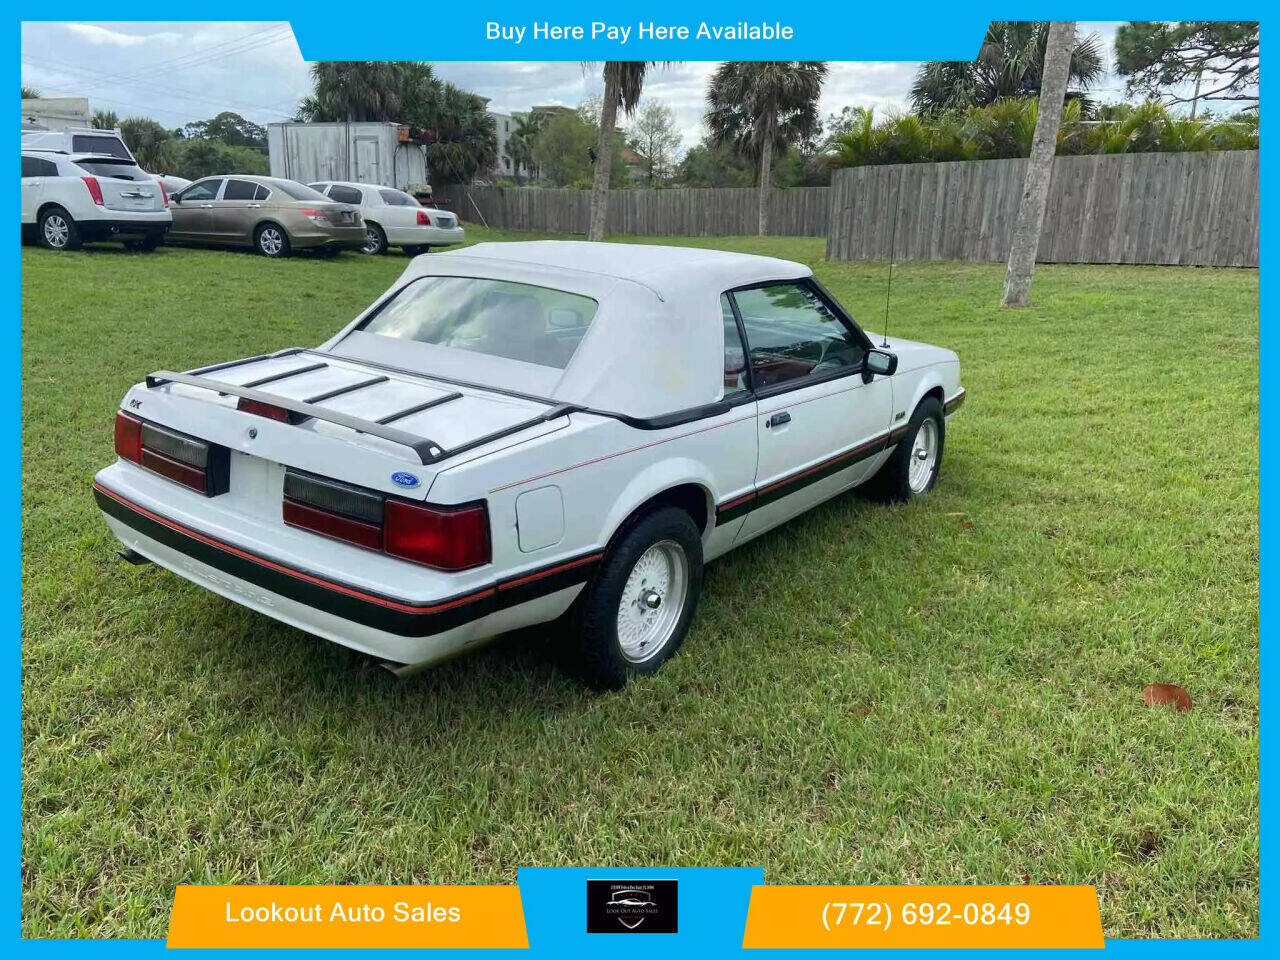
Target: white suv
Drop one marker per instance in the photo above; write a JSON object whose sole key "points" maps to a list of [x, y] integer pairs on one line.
{"points": [[70, 199]]}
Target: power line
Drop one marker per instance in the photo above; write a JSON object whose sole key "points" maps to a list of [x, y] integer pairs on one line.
{"points": [[215, 52], [182, 93]]}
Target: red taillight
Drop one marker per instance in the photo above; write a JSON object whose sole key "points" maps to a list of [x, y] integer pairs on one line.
{"points": [[204, 467], [175, 470], [129, 437], [95, 189], [164, 194], [445, 538], [268, 410], [423, 219], [333, 525]]}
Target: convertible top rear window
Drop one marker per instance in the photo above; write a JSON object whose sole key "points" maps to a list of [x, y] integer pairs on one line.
{"points": [[499, 318]]}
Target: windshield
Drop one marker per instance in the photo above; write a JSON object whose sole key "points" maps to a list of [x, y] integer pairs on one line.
{"points": [[299, 191], [496, 317]]}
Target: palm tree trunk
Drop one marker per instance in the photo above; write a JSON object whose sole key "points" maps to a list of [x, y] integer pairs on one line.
{"points": [[1035, 188], [604, 154], [766, 170]]}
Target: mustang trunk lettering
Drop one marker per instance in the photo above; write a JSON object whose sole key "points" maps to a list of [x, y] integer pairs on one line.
{"points": [[442, 471]]}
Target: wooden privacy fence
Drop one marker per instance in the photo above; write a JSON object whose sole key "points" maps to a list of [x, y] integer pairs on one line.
{"points": [[1188, 208], [685, 212]]}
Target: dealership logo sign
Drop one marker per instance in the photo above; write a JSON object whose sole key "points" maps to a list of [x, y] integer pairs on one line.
{"points": [[631, 906]]}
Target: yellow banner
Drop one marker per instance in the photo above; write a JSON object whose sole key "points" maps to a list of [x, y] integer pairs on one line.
{"points": [[333, 916], [918, 916]]}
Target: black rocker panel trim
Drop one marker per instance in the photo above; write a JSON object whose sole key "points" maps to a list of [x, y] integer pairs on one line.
{"points": [[343, 600], [740, 506]]}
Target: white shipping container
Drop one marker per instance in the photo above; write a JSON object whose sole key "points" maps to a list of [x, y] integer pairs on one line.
{"points": [[362, 152]]}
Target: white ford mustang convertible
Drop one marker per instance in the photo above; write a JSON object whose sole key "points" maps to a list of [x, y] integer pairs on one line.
{"points": [[518, 431]]}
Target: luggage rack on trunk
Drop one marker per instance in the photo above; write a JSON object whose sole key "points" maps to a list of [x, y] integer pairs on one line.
{"points": [[427, 450]]}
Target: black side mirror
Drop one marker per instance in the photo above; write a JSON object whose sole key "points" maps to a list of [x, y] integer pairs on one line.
{"points": [[880, 362], [176, 198]]}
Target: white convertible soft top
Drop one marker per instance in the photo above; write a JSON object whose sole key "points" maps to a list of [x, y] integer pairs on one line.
{"points": [[655, 347]]}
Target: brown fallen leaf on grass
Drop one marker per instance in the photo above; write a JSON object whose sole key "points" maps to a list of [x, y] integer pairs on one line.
{"points": [[1159, 694]]}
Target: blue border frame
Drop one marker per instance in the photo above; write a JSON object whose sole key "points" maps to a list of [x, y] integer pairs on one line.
{"points": [[552, 897]]}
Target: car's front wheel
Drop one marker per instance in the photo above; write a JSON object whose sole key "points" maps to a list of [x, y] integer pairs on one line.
{"points": [[375, 241], [912, 468], [635, 613], [270, 240], [58, 231]]}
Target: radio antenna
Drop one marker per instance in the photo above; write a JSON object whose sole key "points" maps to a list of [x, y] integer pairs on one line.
{"points": [[893, 244]]}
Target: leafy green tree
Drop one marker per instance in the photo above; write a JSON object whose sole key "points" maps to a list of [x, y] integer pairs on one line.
{"points": [[151, 143], [563, 150], [763, 107], [105, 120], [655, 139], [229, 128], [1218, 57], [711, 164], [1010, 63], [196, 158]]}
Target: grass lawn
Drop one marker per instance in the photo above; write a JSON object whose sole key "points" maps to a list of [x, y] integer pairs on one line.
{"points": [[945, 692]]}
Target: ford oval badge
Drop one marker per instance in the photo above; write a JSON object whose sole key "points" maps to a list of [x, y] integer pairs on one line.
{"points": [[402, 479]]}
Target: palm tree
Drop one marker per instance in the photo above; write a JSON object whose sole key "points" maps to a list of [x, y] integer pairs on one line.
{"points": [[1010, 63], [1035, 190], [465, 143], [105, 120], [763, 106], [364, 89], [520, 143], [623, 81], [28, 93]]}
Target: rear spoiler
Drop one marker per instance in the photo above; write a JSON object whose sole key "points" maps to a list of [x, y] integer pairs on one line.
{"points": [[426, 450]]}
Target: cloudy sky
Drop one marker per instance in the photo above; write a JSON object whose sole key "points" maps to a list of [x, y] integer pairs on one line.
{"points": [[180, 71]]}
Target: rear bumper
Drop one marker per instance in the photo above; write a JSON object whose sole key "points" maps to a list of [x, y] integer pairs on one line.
{"points": [[417, 633], [152, 225], [425, 236], [337, 238]]}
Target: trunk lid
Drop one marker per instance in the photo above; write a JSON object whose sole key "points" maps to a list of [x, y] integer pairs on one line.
{"points": [[444, 423], [124, 185]]}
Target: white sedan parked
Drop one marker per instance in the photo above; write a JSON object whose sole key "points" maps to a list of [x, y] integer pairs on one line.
{"points": [[518, 431], [392, 218]]}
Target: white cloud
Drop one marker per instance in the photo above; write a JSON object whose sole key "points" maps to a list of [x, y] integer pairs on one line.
{"points": [[102, 36]]}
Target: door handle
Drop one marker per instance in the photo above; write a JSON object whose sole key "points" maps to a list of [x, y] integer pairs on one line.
{"points": [[778, 419], [206, 206], [254, 206]]}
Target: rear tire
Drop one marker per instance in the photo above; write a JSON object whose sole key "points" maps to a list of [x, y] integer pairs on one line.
{"points": [[57, 230], [912, 469], [271, 240], [375, 241], [634, 614]]}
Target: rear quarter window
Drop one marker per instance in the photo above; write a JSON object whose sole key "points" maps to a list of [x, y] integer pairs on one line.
{"points": [[394, 198]]}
